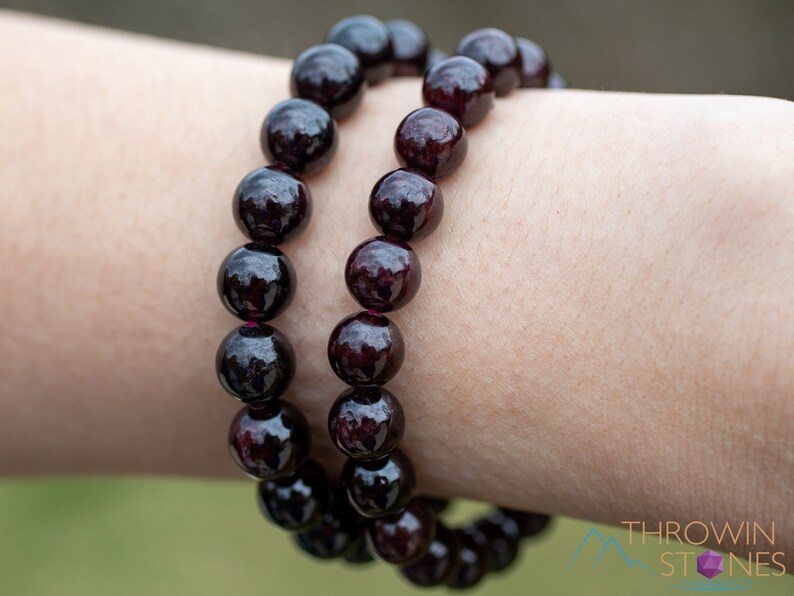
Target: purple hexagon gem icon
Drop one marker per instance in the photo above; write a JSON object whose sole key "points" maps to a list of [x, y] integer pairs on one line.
{"points": [[709, 564]]}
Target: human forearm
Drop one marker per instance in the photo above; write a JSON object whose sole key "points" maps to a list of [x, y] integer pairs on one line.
{"points": [[608, 300]]}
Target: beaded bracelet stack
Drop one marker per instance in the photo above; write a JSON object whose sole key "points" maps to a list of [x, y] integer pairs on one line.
{"points": [[374, 510]]}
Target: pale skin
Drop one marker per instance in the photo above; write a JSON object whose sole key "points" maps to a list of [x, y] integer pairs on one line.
{"points": [[605, 327]]}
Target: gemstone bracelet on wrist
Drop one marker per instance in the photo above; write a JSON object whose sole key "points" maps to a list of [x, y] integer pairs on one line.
{"points": [[374, 510]]}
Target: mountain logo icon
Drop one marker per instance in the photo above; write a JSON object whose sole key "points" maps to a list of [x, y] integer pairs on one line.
{"points": [[607, 545]]}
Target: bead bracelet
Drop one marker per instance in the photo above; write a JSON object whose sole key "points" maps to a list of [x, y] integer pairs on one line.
{"points": [[270, 439]]}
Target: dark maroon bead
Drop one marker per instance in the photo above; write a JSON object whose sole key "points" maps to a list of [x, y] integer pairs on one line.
{"points": [[407, 204], [366, 422], [379, 487], [300, 135], [359, 553], [440, 562], [335, 535], [255, 362], [256, 282], [535, 67], [502, 548], [434, 56], [270, 441], [460, 86], [556, 81], [329, 75], [383, 273], [472, 563], [368, 38], [504, 521], [432, 141], [405, 537], [296, 502], [529, 524], [272, 205], [410, 46], [498, 52], [366, 348]]}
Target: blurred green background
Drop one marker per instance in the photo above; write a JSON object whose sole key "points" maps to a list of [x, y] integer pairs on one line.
{"points": [[174, 537]]}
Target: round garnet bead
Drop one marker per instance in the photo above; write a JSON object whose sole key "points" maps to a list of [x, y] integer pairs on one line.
{"points": [[502, 548], [432, 141], [410, 46], [255, 362], [556, 81], [383, 273], [256, 282], [528, 524], [379, 487], [299, 134], [472, 562], [405, 537], [296, 502], [272, 205], [535, 67], [331, 76], [336, 534], [460, 86], [439, 563], [366, 422], [407, 204], [368, 38], [498, 52], [366, 348], [269, 441]]}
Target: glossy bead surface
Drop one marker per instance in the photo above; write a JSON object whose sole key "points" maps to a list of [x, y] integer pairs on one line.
{"points": [[460, 86], [535, 67], [406, 203], [366, 348], [300, 135], [502, 548], [368, 38], [439, 563], [432, 141], [379, 487], [335, 536], [434, 56], [298, 501], [410, 47], [506, 522], [405, 537], [529, 524], [383, 273], [556, 81], [498, 52], [271, 441], [472, 563], [366, 422], [272, 205], [256, 282], [255, 362], [331, 76]]}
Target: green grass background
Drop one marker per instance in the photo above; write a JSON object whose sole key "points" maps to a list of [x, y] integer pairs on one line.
{"points": [[175, 537]]}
